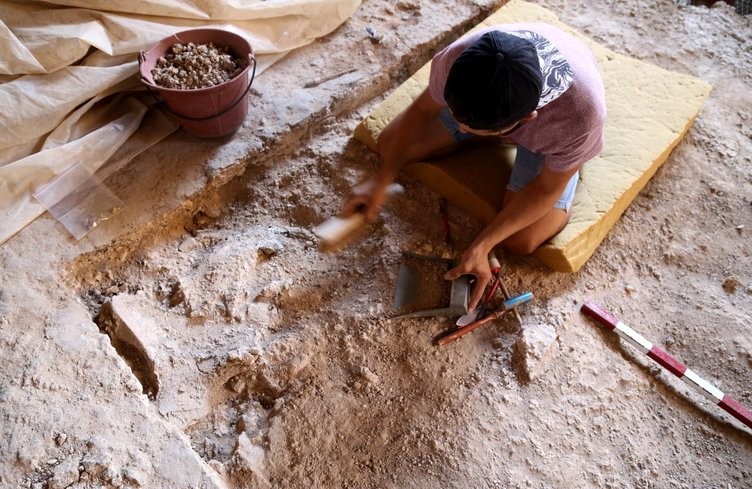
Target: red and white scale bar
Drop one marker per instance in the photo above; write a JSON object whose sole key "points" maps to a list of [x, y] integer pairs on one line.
{"points": [[668, 362]]}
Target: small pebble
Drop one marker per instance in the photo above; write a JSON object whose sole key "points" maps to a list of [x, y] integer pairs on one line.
{"points": [[730, 284], [374, 36]]}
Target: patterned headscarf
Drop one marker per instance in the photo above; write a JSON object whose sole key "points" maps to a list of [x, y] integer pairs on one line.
{"points": [[495, 82]]}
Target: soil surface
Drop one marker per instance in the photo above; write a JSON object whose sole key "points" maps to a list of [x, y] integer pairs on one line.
{"points": [[208, 342]]}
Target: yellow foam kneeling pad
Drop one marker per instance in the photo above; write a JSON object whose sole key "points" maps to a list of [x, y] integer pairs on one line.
{"points": [[649, 111]]}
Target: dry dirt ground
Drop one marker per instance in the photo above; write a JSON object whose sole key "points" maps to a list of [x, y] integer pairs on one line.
{"points": [[201, 339]]}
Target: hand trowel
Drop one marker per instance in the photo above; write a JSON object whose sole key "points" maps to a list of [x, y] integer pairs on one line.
{"points": [[419, 279]]}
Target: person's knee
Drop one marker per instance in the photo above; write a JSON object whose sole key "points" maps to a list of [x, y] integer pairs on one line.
{"points": [[381, 141], [521, 244], [531, 238]]}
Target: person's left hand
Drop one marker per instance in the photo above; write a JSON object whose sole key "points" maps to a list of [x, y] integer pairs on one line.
{"points": [[474, 262]]}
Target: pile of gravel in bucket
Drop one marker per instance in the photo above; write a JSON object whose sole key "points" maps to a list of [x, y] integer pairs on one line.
{"points": [[191, 66]]}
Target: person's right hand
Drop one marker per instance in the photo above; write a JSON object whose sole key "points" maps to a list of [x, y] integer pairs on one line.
{"points": [[368, 198], [474, 262]]}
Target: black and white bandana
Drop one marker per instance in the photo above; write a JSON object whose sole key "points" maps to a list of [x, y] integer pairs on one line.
{"points": [[557, 74]]}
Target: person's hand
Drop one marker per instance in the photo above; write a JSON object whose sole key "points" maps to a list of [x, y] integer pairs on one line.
{"points": [[474, 262], [367, 197]]}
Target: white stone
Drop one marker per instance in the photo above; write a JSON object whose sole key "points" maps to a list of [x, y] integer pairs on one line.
{"points": [[533, 347], [251, 457], [64, 474]]}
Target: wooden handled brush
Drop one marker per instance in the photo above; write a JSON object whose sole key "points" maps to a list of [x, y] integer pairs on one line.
{"points": [[337, 232]]}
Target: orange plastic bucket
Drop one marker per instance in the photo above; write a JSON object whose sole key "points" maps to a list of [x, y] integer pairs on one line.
{"points": [[204, 112]]}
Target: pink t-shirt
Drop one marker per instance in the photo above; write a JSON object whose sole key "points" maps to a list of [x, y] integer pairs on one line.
{"points": [[572, 112]]}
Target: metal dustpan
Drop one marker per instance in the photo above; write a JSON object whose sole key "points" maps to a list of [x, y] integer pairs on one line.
{"points": [[417, 283]]}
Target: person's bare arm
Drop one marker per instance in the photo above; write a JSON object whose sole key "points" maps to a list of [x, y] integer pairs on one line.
{"points": [[413, 135], [530, 205]]}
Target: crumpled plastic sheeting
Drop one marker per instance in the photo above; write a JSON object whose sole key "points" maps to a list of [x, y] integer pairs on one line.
{"points": [[42, 38], [19, 179], [61, 57]]}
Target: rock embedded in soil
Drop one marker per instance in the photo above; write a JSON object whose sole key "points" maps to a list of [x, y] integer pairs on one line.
{"points": [[250, 457], [533, 348], [730, 284], [64, 475]]}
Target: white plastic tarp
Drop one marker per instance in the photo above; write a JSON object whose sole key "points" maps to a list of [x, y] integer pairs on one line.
{"points": [[65, 64]]}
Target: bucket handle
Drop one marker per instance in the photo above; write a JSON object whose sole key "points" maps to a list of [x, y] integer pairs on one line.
{"points": [[142, 58]]}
